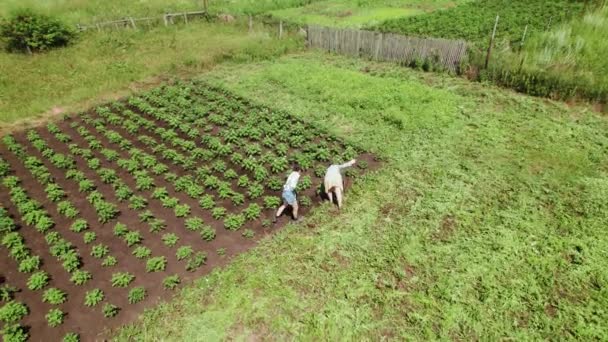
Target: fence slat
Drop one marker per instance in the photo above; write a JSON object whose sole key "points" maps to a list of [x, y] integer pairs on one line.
{"points": [[388, 47]]}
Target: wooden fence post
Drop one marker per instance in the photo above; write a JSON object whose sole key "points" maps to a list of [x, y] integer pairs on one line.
{"points": [[165, 19], [132, 23], [377, 52], [185, 18], [491, 42], [523, 38], [280, 29]]}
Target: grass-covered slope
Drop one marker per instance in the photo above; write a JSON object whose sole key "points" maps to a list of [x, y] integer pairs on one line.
{"points": [[347, 13], [474, 21], [104, 65], [572, 57], [486, 221]]}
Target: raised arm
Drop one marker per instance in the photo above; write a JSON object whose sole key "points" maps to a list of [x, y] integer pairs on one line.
{"points": [[348, 164]]}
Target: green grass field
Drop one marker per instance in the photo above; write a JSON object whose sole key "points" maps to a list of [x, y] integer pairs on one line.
{"points": [[344, 13], [110, 64], [486, 221]]}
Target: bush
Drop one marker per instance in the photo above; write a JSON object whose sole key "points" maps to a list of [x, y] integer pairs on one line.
{"points": [[26, 31]]}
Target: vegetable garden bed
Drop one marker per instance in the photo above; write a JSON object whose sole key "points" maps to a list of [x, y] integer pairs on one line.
{"points": [[105, 213]]}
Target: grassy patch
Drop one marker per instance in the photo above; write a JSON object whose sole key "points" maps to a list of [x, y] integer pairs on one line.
{"points": [[343, 13], [486, 221], [103, 65]]}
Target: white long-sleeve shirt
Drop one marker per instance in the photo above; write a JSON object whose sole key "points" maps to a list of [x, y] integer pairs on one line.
{"points": [[292, 181], [333, 176]]}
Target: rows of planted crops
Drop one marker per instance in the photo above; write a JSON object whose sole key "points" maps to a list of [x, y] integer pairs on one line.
{"points": [[105, 212]]}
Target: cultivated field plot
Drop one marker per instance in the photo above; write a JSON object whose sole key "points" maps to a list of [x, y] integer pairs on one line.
{"points": [[104, 213]]}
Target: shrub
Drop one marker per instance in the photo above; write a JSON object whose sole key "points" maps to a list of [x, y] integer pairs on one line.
{"points": [[196, 261], [54, 317], [109, 261], [194, 224], [218, 213], [132, 238], [26, 31], [234, 221], [6, 293], [248, 233], [207, 233], [171, 282], [181, 210], [29, 264], [13, 312], [89, 237], [53, 296], [253, 211], [142, 252], [206, 202], [184, 252], [93, 297], [120, 229], [136, 294], [71, 337], [170, 239], [156, 264], [80, 277], [156, 225], [122, 279], [14, 333], [37, 281], [79, 225], [99, 251], [109, 310], [271, 202]]}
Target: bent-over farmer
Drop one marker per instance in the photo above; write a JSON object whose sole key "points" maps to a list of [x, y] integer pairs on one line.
{"points": [[289, 194], [334, 184]]}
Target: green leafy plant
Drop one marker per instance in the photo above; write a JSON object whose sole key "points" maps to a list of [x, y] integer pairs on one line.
{"points": [[93, 297], [169, 202], [132, 238], [252, 212], [142, 252], [221, 251], [120, 230], [184, 252], [234, 221], [145, 216], [79, 226], [255, 190], [54, 317], [54, 192], [99, 251], [271, 202], [156, 225], [156, 264], [218, 213], [305, 201], [136, 294], [170, 239], [37, 280], [207, 202], [248, 233], [171, 282], [53, 296], [29, 264], [109, 261], [80, 277], [14, 333], [86, 185], [230, 174], [109, 310], [207, 233], [138, 202], [89, 237], [194, 224], [304, 183], [196, 261], [122, 279], [71, 337], [6, 292], [181, 210], [243, 181], [13, 312]]}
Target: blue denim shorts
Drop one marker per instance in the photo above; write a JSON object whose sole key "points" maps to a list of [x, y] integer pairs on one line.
{"points": [[289, 197]]}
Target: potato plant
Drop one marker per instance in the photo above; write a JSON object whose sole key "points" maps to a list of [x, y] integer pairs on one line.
{"points": [[93, 297], [54, 317], [136, 295]]}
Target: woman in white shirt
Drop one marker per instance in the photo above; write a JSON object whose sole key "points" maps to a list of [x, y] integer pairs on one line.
{"points": [[289, 193], [333, 182]]}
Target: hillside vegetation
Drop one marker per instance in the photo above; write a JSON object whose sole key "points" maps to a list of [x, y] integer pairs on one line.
{"points": [[568, 61], [347, 13], [485, 222], [474, 21]]}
